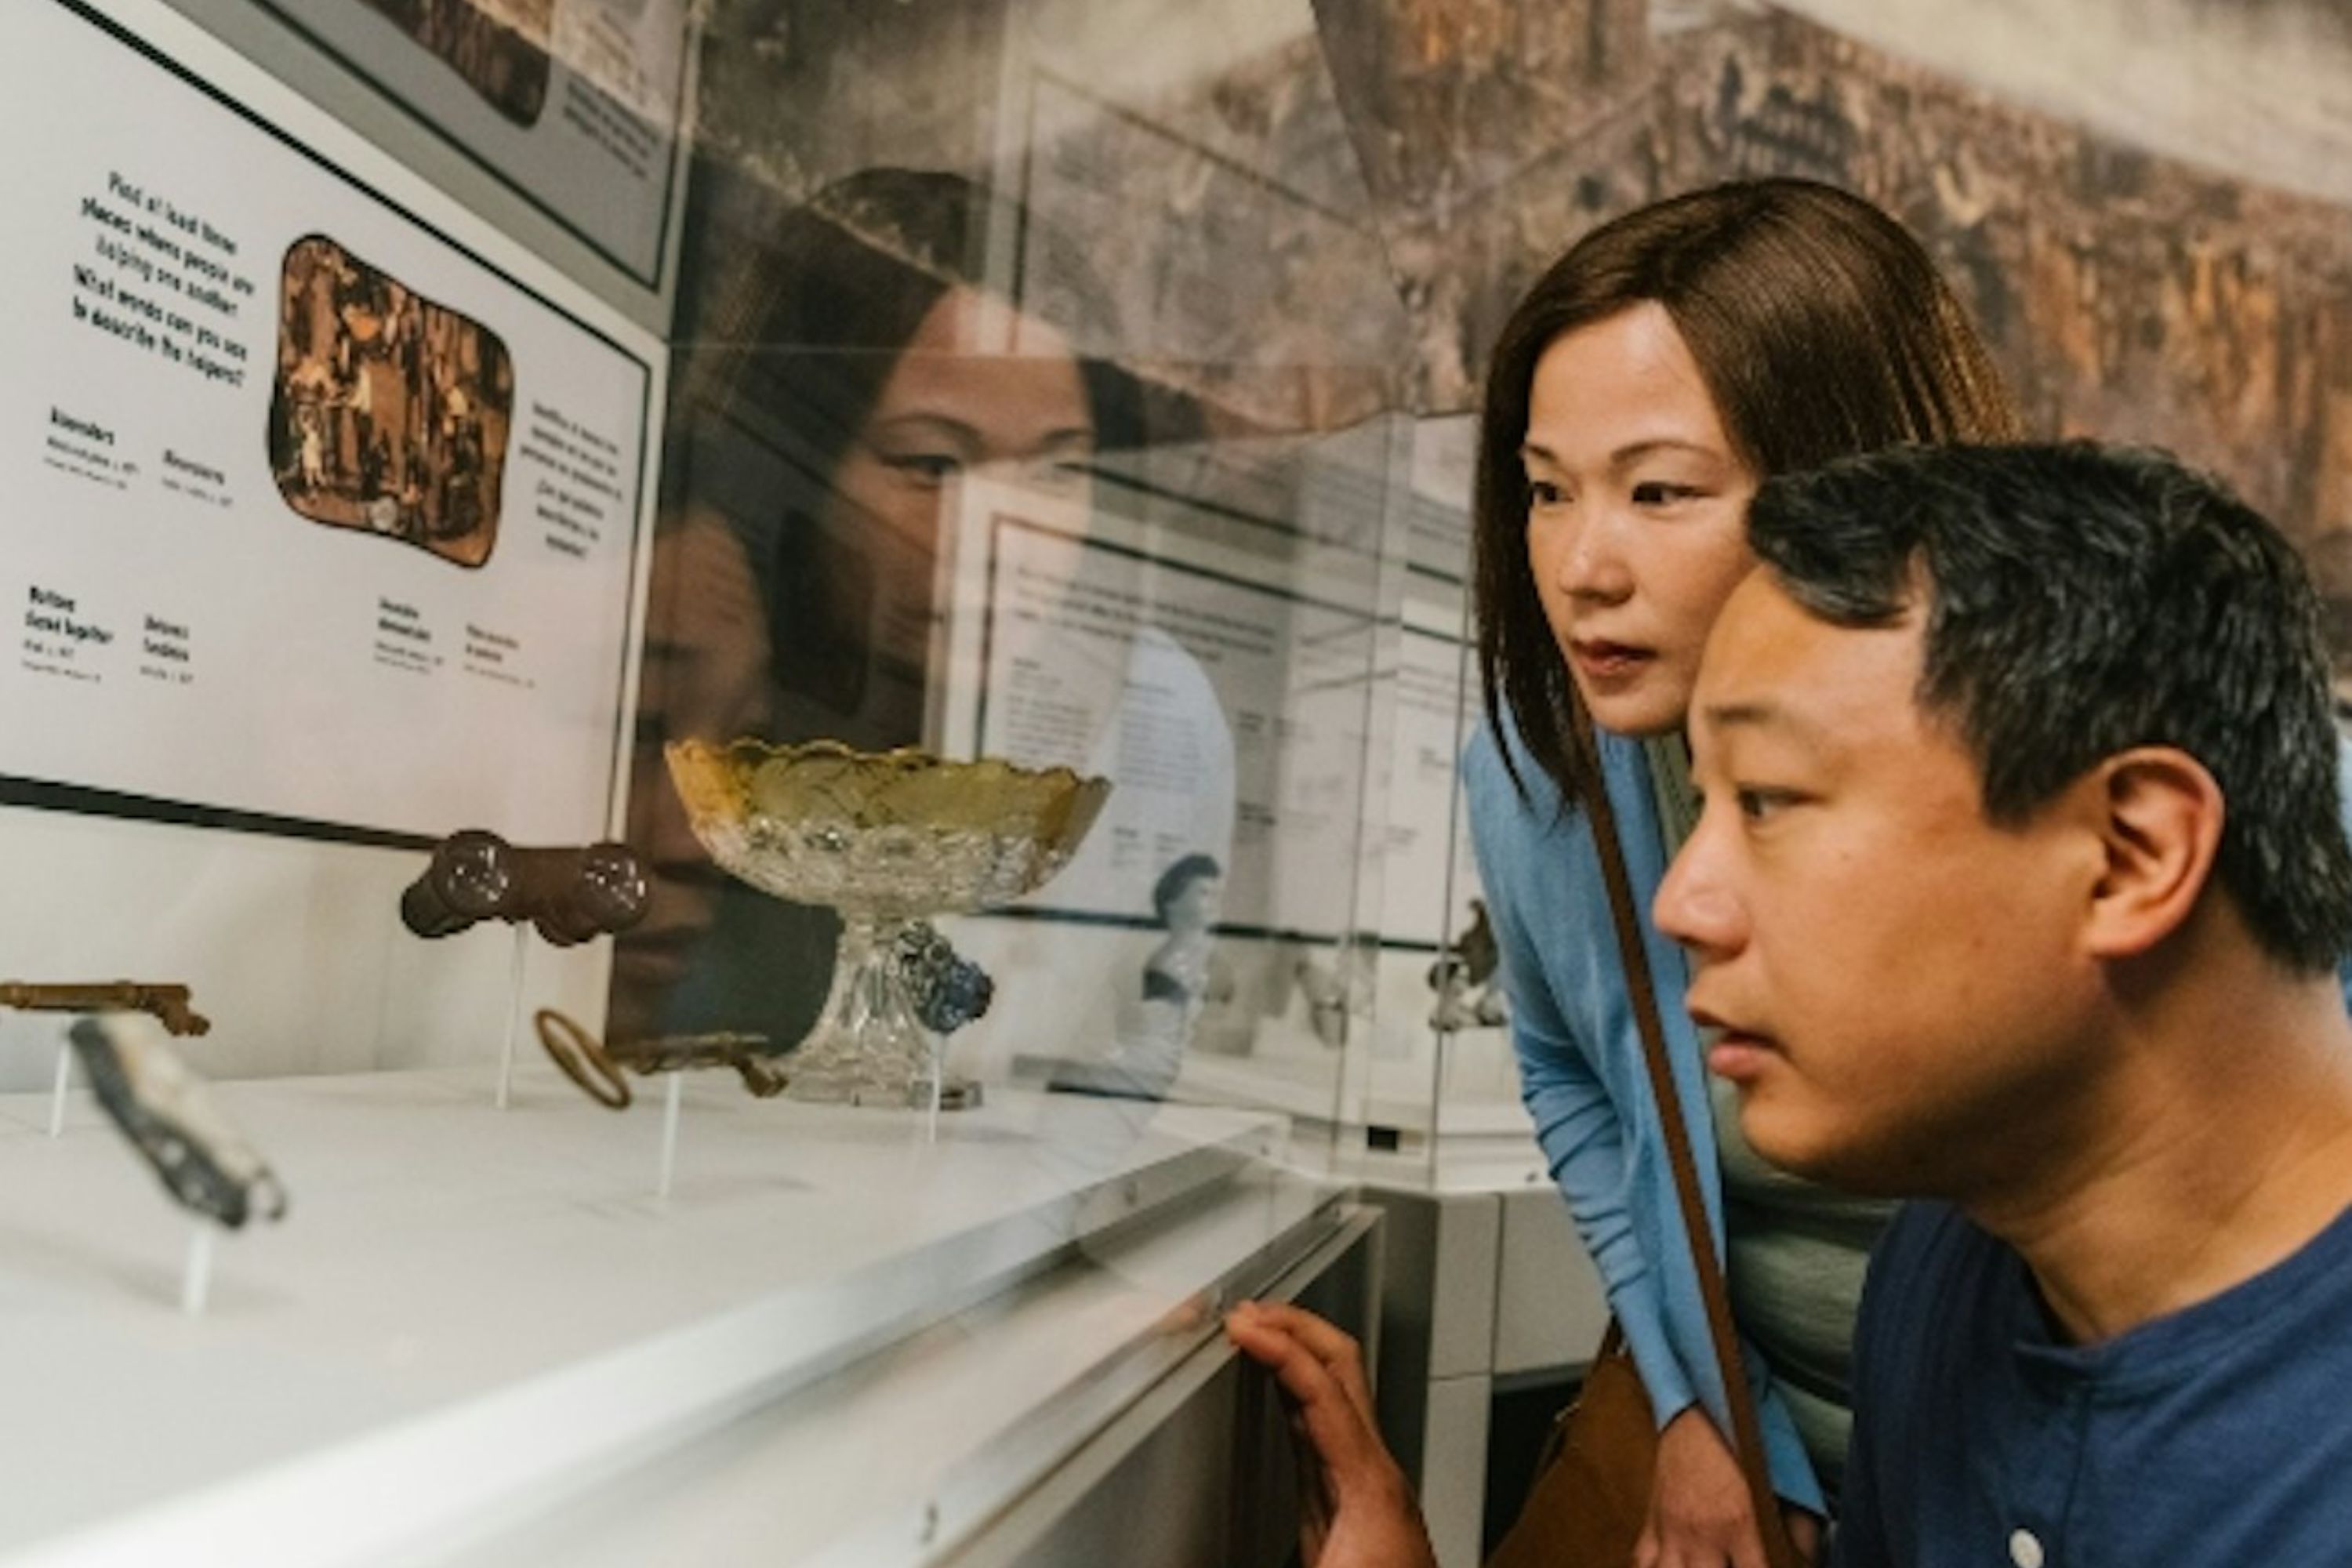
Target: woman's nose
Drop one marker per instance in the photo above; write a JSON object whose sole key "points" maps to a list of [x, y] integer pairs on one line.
{"points": [[1590, 564]]}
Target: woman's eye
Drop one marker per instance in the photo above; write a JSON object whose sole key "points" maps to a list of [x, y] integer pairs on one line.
{"points": [[1062, 474], [1543, 492], [1657, 492], [929, 468], [1761, 804]]}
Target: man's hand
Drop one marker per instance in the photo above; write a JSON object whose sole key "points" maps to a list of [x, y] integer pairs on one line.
{"points": [[1700, 1512], [1359, 1511]]}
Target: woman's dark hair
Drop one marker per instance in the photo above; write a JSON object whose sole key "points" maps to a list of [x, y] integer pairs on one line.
{"points": [[1822, 329], [1181, 874], [799, 353]]}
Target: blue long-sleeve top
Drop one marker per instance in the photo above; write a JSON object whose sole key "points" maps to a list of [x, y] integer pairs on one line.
{"points": [[1586, 1083]]}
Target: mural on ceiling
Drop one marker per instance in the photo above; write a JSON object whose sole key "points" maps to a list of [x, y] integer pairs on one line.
{"points": [[1308, 229], [2127, 294]]}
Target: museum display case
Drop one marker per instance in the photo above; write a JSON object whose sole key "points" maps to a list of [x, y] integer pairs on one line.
{"points": [[728, 769], [1442, 1089], [691, 773]]}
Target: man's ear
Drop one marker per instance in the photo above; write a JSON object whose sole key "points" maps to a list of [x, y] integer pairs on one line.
{"points": [[2159, 815]]}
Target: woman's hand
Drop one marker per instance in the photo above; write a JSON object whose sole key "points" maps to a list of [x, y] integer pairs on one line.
{"points": [[1701, 1515], [1804, 1530], [1358, 1511]]}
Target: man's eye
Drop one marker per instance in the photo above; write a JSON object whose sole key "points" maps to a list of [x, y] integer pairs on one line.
{"points": [[1658, 492], [1761, 804]]}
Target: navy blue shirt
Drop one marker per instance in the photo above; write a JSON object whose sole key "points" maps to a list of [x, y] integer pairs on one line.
{"points": [[2220, 1435]]}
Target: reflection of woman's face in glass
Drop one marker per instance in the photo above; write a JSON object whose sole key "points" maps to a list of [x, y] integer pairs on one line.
{"points": [[1196, 909], [704, 675], [980, 388]]}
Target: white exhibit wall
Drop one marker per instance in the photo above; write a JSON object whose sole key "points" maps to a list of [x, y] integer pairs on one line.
{"points": [[284, 921]]}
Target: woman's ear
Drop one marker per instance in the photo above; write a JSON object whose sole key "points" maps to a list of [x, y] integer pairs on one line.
{"points": [[2159, 821]]}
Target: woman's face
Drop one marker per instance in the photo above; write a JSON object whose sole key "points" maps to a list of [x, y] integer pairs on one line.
{"points": [[1637, 513], [980, 388]]}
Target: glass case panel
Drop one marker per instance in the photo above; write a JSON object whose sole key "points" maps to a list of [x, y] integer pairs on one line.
{"points": [[747, 683], [1443, 1081]]}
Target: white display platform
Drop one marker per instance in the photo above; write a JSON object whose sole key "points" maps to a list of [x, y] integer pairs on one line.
{"points": [[1478, 1142], [466, 1310]]}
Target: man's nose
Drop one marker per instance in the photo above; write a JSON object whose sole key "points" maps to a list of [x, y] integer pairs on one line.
{"points": [[1694, 906]]}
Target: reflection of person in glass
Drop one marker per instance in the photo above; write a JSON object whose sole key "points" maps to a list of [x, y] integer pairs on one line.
{"points": [[833, 392]]}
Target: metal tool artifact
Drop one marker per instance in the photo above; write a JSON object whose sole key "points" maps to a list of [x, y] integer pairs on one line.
{"points": [[167, 1110], [597, 1067], [167, 1004], [570, 894]]}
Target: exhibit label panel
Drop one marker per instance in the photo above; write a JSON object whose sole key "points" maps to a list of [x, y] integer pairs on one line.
{"points": [[574, 103], [1229, 713], [319, 518]]}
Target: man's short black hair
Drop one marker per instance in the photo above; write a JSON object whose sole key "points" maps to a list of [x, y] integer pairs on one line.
{"points": [[2083, 600]]}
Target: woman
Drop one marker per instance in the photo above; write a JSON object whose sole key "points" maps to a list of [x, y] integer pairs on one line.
{"points": [[1644, 386]]}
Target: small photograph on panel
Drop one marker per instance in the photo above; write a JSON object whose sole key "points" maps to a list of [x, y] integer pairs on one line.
{"points": [[390, 414], [1185, 972], [499, 47]]}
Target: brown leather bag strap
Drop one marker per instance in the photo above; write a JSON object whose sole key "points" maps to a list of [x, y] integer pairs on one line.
{"points": [[1747, 1436]]}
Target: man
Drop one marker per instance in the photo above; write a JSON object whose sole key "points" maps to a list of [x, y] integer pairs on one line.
{"points": [[2020, 885]]}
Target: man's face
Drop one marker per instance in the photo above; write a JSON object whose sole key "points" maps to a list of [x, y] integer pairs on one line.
{"points": [[1901, 985]]}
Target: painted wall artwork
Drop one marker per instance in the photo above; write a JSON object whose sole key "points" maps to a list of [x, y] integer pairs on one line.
{"points": [[2148, 205], [499, 47]]}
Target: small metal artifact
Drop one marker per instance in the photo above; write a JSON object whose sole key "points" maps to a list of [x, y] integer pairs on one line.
{"points": [[597, 1067], [1472, 963], [166, 1111], [948, 989], [571, 894], [169, 1005], [1342, 991]]}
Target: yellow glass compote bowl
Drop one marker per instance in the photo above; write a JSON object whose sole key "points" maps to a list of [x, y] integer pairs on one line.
{"points": [[884, 838]]}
